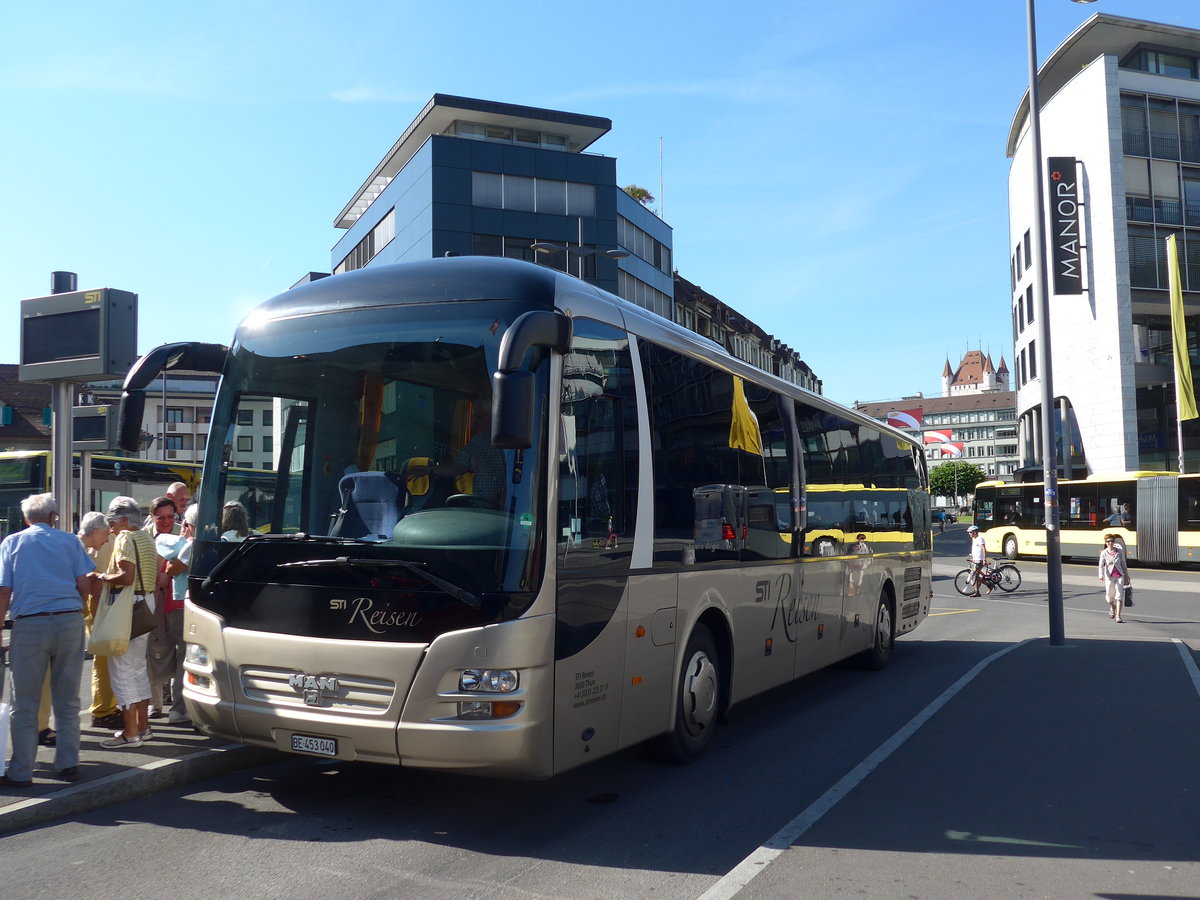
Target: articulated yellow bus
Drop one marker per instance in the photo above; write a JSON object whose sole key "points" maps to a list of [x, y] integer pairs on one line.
{"points": [[619, 555], [1157, 515]]}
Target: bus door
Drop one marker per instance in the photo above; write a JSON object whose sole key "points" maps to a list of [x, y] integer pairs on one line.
{"points": [[606, 625]]}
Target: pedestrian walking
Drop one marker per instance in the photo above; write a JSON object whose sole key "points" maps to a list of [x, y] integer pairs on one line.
{"points": [[1114, 572], [44, 584]]}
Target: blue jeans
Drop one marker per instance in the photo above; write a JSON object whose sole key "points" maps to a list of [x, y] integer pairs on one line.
{"points": [[38, 643]]}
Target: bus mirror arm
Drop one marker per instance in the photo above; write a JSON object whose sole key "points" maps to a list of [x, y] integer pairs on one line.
{"points": [[513, 396], [190, 355]]}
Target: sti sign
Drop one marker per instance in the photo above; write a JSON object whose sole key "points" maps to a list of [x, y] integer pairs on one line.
{"points": [[1064, 225]]}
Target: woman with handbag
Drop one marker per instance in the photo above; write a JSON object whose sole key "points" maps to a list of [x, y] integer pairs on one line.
{"points": [[134, 562], [1114, 572]]}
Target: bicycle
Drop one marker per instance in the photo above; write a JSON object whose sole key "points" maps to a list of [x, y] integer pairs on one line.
{"points": [[1007, 577]]}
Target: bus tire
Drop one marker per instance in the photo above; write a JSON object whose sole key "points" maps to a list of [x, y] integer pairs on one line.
{"points": [[698, 700], [1010, 546], [877, 655]]}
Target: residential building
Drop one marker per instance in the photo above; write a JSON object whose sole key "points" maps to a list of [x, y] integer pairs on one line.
{"points": [[24, 412], [704, 314], [974, 420], [1120, 114]]}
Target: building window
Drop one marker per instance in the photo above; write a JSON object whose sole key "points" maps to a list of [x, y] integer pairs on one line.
{"points": [[518, 192], [268, 417], [268, 445], [173, 442], [245, 443], [245, 416], [174, 414]]}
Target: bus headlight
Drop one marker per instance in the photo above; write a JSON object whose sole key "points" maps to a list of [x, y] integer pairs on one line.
{"points": [[195, 657], [488, 681], [492, 681], [196, 654]]}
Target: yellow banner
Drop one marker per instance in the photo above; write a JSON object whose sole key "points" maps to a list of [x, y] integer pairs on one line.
{"points": [[1185, 392], [743, 430]]}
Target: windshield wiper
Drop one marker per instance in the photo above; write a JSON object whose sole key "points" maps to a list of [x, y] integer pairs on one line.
{"points": [[458, 593], [255, 538]]}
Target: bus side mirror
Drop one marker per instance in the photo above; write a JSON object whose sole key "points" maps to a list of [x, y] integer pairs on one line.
{"points": [[512, 409], [129, 420], [513, 397]]}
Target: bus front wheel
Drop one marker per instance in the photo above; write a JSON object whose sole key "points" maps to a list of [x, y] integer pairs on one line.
{"points": [[698, 702], [1010, 546], [880, 651]]}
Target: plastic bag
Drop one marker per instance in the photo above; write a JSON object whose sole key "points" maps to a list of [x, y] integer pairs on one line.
{"points": [[110, 633], [161, 656], [5, 720]]}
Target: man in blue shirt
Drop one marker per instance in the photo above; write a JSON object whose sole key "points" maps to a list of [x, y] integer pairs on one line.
{"points": [[44, 581]]}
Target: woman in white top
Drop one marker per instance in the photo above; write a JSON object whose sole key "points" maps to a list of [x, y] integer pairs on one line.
{"points": [[1114, 572]]}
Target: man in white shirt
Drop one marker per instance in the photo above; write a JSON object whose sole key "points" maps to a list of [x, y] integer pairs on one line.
{"points": [[978, 556]]}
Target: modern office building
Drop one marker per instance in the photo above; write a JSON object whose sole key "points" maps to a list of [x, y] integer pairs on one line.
{"points": [[476, 177], [1120, 119]]}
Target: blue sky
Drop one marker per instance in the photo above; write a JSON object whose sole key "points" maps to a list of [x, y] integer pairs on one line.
{"points": [[835, 171]]}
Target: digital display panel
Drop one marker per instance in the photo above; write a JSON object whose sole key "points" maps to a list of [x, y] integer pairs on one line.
{"points": [[69, 335], [89, 428]]}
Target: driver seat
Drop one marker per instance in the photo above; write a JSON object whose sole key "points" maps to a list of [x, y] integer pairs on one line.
{"points": [[370, 505]]}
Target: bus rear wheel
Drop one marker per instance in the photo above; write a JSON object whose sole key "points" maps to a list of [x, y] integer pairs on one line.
{"points": [[1010, 546], [698, 699]]}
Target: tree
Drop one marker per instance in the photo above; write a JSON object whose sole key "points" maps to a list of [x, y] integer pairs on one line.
{"points": [[640, 194], [955, 478]]}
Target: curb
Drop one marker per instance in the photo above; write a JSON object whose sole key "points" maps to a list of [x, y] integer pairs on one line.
{"points": [[132, 784]]}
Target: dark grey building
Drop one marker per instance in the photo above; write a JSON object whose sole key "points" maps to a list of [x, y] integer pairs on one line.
{"points": [[476, 177]]}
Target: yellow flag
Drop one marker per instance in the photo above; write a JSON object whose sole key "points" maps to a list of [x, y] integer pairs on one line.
{"points": [[743, 430], [1185, 393]]}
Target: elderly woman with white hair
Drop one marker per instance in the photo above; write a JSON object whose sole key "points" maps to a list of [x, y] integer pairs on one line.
{"points": [[134, 562], [94, 534]]}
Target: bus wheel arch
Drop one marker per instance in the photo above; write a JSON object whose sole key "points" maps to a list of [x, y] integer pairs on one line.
{"points": [[701, 691], [883, 631], [1009, 546]]}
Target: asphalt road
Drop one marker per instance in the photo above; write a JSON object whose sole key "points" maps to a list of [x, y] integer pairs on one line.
{"points": [[1003, 791]]}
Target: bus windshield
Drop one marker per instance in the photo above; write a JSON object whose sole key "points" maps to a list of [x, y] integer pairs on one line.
{"points": [[376, 426]]}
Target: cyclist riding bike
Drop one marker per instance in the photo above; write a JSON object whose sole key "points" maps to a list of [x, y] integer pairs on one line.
{"points": [[978, 556]]}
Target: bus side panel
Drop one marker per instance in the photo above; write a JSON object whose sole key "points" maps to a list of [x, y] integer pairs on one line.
{"points": [[650, 658], [816, 621], [756, 601]]}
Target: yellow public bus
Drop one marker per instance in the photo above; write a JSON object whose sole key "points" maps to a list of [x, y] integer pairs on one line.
{"points": [[1156, 514], [630, 556]]}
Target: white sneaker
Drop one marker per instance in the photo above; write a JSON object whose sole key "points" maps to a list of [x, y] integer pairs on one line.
{"points": [[120, 741]]}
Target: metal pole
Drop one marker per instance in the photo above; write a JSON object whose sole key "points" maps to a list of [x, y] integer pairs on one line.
{"points": [[1049, 449], [60, 431]]}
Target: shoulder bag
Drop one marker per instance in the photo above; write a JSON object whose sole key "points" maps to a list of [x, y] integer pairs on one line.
{"points": [[142, 619]]}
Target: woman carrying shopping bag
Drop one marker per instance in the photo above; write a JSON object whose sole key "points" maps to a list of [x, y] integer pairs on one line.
{"points": [[134, 562], [1114, 572]]}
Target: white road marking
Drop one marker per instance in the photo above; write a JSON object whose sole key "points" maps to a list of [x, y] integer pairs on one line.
{"points": [[745, 871]]}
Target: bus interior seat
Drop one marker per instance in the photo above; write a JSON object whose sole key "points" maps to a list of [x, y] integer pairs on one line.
{"points": [[370, 505], [421, 491]]}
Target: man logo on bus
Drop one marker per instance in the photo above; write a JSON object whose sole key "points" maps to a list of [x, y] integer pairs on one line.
{"points": [[314, 687]]}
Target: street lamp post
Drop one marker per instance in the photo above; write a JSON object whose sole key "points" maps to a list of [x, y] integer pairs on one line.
{"points": [[578, 250], [1049, 446]]}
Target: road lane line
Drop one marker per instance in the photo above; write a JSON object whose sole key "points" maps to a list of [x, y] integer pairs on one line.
{"points": [[744, 872], [1189, 662]]}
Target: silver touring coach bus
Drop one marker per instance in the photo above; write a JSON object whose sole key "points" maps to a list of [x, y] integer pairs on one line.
{"points": [[518, 523]]}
